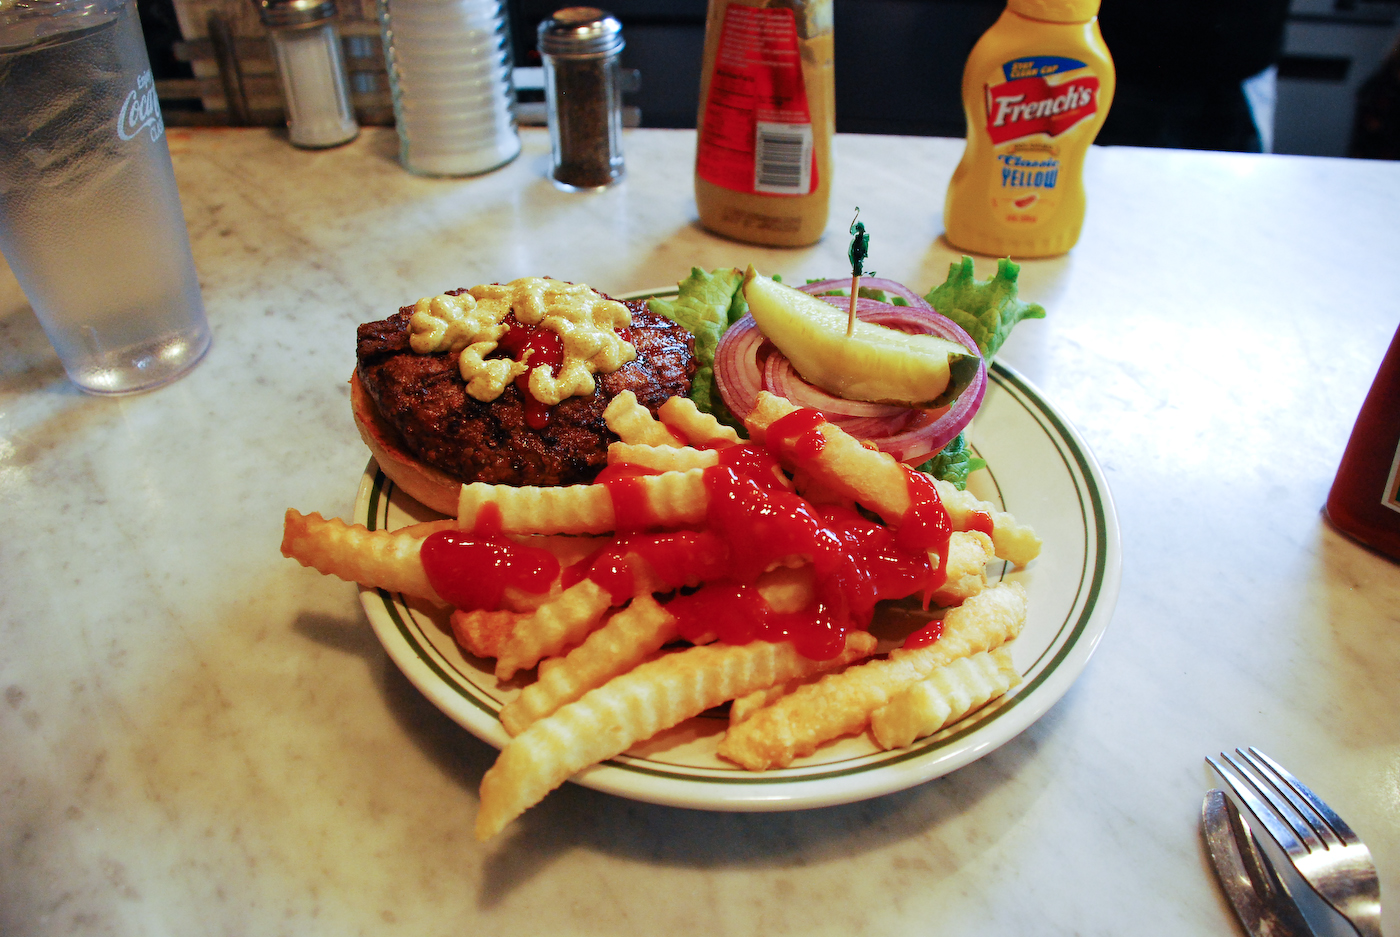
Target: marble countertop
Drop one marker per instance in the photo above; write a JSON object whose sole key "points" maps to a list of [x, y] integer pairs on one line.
{"points": [[201, 737]]}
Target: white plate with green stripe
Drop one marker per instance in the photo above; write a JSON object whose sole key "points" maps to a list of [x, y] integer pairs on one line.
{"points": [[1038, 468]]}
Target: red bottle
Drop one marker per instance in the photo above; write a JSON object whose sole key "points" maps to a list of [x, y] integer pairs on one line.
{"points": [[1365, 498]]}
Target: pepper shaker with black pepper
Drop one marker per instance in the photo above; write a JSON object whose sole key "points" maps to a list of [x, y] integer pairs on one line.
{"points": [[580, 47]]}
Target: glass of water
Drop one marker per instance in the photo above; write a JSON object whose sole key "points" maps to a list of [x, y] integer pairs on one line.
{"points": [[90, 218]]}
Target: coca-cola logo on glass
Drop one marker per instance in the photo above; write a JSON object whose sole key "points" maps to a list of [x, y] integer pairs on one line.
{"points": [[141, 110]]}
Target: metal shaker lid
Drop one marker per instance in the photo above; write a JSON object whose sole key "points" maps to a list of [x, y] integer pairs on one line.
{"points": [[283, 13], [581, 32]]}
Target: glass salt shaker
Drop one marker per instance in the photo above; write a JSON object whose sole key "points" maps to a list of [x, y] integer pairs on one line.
{"points": [[580, 47], [306, 45]]}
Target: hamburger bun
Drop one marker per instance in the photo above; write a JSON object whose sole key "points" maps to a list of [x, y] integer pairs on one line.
{"points": [[428, 486]]}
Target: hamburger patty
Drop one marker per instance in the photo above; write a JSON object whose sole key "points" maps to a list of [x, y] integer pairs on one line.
{"points": [[425, 399]]}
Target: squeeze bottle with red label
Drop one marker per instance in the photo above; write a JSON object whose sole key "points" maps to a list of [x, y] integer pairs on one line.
{"points": [[1365, 499], [767, 115], [1036, 90]]}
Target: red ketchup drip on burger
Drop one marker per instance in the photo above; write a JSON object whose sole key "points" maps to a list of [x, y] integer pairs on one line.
{"points": [[470, 570], [545, 347]]}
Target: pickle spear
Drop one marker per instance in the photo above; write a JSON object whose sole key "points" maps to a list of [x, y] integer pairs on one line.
{"points": [[875, 363]]}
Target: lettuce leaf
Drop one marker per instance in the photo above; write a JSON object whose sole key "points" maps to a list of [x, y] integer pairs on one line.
{"points": [[707, 304], [986, 309], [954, 463]]}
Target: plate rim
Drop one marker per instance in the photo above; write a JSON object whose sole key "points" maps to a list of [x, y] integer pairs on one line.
{"points": [[821, 784]]}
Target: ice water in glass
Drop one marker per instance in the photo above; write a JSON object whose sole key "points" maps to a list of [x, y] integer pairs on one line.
{"points": [[90, 218]]}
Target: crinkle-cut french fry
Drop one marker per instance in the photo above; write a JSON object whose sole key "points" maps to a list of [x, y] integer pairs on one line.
{"points": [[699, 428], [745, 706], [841, 703], [625, 640], [661, 458], [788, 589], [554, 626], [392, 560], [427, 528], [515, 599], [874, 479], [379, 559], [560, 620], [817, 491], [969, 552], [984, 622], [943, 697], [483, 633], [844, 466], [634, 423], [750, 703], [568, 550], [571, 509], [1013, 540], [673, 499], [629, 708]]}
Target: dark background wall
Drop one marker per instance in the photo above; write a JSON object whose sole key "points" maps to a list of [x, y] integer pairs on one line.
{"points": [[898, 62], [665, 42], [899, 66]]}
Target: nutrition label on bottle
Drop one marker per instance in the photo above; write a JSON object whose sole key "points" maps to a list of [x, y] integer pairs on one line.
{"points": [[757, 133], [1390, 498]]}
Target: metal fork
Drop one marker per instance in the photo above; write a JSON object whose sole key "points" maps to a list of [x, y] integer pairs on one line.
{"points": [[1324, 850]]}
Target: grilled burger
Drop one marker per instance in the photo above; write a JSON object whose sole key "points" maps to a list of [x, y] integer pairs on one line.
{"points": [[543, 360]]}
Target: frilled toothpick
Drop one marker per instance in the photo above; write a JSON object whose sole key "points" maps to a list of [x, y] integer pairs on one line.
{"points": [[860, 247]]}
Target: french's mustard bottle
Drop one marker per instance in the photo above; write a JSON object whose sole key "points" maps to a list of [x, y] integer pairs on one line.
{"points": [[767, 115], [1036, 90]]}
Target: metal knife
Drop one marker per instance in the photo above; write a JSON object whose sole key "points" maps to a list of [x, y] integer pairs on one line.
{"points": [[1246, 875]]}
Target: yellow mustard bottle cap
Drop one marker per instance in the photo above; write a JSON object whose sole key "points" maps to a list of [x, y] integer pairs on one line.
{"points": [[1056, 11]]}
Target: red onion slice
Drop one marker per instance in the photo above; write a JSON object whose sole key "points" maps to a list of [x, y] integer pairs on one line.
{"points": [[737, 372], [923, 440], [890, 287], [875, 428], [781, 378]]}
